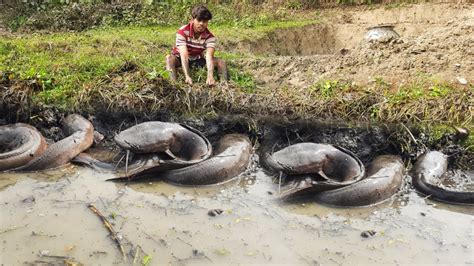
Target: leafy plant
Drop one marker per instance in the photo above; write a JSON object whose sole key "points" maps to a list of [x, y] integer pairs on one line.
{"points": [[243, 80], [146, 260], [326, 88], [295, 5], [439, 90], [381, 83], [17, 22]]}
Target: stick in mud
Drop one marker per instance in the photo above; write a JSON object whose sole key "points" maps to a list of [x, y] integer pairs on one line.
{"points": [[409, 132], [126, 165], [108, 225], [135, 257], [11, 228]]}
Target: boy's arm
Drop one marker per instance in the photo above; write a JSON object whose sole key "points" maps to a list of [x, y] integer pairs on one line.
{"points": [[183, 54], [210, 66]]}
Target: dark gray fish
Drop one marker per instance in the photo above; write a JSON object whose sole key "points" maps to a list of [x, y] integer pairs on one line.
{"points": [[19, 144], [328, 161], [384, 179], [80, 137], [428, 169], [231, 158], [180, 142]]}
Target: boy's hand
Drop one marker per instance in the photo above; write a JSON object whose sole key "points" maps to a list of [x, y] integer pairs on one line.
{"points": [[210, 81], [189, 80]]}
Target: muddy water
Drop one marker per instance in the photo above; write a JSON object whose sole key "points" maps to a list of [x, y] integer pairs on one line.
{"points": [[44, 217]]}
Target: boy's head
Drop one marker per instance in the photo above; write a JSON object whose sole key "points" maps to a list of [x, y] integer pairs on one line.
{"points": [[201, 16], [201, 13]]}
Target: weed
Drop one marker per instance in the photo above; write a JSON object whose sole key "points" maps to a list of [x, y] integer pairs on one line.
{"points": [[327, 88], [199, 74], [17, 22], [406, 93], [382, 84], [243, 80], [374, 112], [160, 73], [439, 90], [295, 5]]}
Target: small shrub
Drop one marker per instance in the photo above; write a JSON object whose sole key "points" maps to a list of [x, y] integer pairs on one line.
{"points": [[327, 88], [439, 90], [243, 80]]}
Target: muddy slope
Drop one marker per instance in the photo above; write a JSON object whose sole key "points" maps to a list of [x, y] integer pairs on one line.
{"points": [[437, 42]]}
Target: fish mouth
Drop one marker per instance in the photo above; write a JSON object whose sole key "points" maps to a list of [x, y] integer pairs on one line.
{"points": [[292, 188]]}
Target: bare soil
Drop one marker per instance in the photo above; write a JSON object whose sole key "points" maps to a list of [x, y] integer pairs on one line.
{"points": [[437, 42]]}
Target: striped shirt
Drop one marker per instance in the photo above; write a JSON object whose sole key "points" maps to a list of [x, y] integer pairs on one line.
{"points": [[196, 43]]}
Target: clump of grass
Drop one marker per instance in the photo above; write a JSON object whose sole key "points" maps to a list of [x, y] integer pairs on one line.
{"points": [[243, 80], [64, 63], [328, 88], [137, 92], [143, 89]]}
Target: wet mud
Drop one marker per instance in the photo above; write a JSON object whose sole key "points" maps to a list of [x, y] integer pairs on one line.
{"points": [[46, 218]]}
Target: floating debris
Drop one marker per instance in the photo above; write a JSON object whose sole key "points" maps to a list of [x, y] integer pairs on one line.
{"points": [[222, 252], [29, 199], [198, 253], [43, 253], [116, 238], [368, 233], [146, 260], [215, 212]]}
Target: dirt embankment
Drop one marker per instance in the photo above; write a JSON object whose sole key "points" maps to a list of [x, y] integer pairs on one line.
{"points": [[437, 42]]}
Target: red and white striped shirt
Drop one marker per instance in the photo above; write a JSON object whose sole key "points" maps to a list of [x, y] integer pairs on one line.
{"points": [[196, 43]]}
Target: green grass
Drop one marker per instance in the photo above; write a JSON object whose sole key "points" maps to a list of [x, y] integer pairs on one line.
{"points": [[83, 71], [64, 63]]}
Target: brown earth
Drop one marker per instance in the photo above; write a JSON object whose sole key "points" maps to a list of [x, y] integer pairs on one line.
{"points": [[437, 42]]}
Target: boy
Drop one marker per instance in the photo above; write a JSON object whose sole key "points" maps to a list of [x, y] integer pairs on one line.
{"points": [[192, 41]]}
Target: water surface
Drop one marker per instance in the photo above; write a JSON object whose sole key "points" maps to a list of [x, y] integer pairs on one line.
{"points": [[45, 217]]}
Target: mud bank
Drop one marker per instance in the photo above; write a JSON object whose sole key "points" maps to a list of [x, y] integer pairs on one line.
{"points": [[432, 43], [45, 218], [267, 133]]}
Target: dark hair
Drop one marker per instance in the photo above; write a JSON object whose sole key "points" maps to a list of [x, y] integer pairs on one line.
{"points": [[201, 13]]}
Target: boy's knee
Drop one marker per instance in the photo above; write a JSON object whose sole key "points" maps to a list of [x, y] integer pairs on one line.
{"points": [[220, 63], [172, 60]]}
